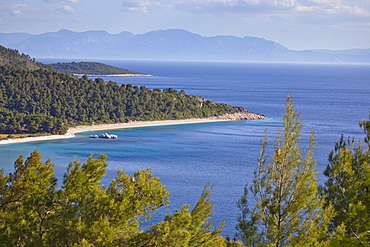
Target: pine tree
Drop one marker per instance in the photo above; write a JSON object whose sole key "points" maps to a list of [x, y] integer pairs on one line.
{"points": [[26, 202], [34, 211], [186, 228], [288, 208], [348, 188]]}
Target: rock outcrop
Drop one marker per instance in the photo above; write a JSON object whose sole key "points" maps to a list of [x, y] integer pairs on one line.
{"points": [[244, 115]]}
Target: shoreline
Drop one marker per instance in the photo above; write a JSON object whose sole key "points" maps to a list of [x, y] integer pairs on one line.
{"points": [[87, 128], [113, 75]]}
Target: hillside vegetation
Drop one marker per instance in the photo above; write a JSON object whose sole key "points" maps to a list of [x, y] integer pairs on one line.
{"points": [[13, 58], [91, 68], [46, 101]]}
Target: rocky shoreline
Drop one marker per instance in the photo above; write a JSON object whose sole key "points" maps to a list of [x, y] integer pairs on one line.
{"points": [[244, 115]]}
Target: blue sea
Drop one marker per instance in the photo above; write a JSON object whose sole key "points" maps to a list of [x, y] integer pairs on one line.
{"points": [[331, 100]]}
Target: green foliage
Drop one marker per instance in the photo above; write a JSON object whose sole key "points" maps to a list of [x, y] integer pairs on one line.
{"points": [[26, 202], [348, 188], [247, 228], [35, 98], [288, 208], [13, 58], [82, 212], [90, 68], [185, 228], [45, 101]]}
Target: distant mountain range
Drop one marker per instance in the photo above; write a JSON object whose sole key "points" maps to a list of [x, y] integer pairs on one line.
{"points": [[174, 44]]}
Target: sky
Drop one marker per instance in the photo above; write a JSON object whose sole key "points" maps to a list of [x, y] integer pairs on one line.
{"points": [[295, 24]]}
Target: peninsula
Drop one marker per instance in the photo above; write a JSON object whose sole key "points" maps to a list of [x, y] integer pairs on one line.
{"points": [[93, 69], [37, 101]]}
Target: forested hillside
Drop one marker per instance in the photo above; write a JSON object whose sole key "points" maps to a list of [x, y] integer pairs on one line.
{"points": [[37, 100], [91, 68], [48, 101], [12, 57]]}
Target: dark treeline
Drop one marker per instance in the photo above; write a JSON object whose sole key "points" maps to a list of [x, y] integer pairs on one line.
{"points": [[90, 68], [12, 57], [48, 101]]}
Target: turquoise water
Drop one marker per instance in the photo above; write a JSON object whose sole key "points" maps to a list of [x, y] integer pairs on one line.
{"points": [[331, 99]]}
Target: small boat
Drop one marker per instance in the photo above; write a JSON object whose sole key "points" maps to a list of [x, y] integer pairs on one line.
{"points": [[105, 136], [108, 136]]}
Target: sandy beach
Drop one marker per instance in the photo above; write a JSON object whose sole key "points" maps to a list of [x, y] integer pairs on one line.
{"points": [[86, 128], [72, 131]]}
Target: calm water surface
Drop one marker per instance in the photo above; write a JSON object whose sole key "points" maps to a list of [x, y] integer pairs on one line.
{"points": [[331, 99]]}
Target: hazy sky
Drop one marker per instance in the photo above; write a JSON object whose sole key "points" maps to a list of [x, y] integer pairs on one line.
{"points": [[296, 24]]}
